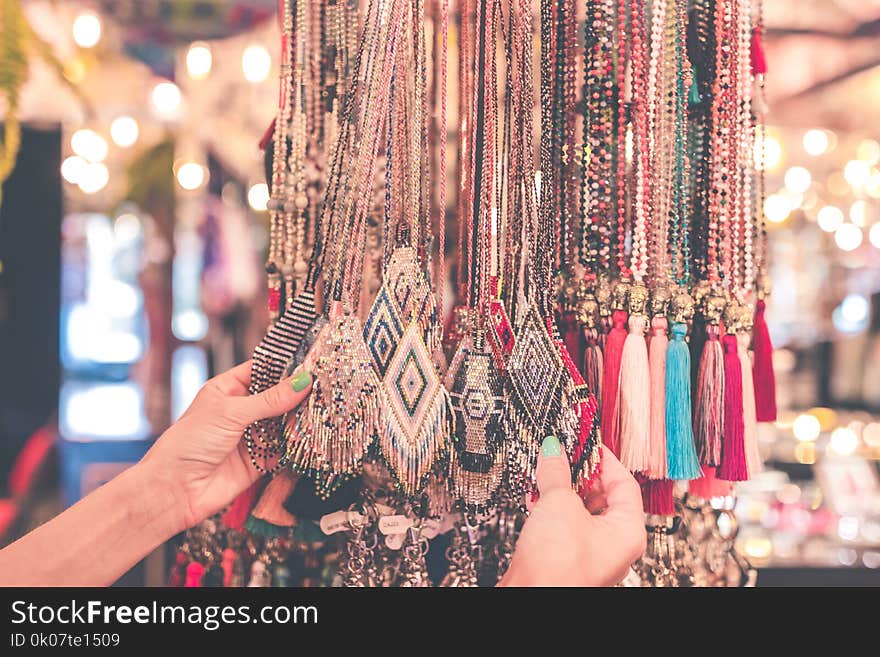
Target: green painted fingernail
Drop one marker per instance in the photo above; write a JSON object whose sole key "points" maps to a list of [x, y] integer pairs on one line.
{"points": [[301, 381], [551, 446]]}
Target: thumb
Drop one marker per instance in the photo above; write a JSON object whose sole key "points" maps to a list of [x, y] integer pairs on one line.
{"points": [[553, 469], [277, 400]]}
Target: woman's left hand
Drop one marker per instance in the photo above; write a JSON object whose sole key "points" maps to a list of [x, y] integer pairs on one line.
{"points": [[202, 458]]}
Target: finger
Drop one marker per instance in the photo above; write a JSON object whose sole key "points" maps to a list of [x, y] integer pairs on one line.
{"points": [[623, 519], [234, 381], [553, 469], [277, 400]]}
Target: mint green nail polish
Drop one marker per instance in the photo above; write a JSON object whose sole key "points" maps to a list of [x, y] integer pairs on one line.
{"points": [[301, 381], [551, 446]]}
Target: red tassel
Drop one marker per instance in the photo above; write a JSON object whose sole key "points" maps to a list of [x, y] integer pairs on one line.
{"points": [[657, 496], [611, 380], [241, 506], [572, 338], [194, 573], [708, 486], [228, 565], [177, 576], [709, 405], [762, 370], [759, 61], [657, 367], [733, 466]]}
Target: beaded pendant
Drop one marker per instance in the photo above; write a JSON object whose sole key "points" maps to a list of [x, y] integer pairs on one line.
{"points": [[416, 413], [411, 291], [334, 430], [538, 400], [264, 438], [477, 457], [383, 330]]}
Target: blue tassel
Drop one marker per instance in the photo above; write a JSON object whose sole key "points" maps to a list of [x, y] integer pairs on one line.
{"points": [[681, 455]]}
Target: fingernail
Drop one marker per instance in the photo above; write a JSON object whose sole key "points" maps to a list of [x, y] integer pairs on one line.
{"points": [[551, 446], [301, 381]]}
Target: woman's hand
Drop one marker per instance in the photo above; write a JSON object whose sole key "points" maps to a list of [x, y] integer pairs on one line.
{"points": [[201, 458], [563, 543]]}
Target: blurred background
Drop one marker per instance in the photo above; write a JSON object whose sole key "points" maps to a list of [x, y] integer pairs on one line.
{"points": [[133, 229]]}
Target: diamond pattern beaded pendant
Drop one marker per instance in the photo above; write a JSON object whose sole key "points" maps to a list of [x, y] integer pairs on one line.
{"points": [[411, 291], [416, 413], [264, 438], [477, 457], [334, 430], [383, 330], [537, 378]]}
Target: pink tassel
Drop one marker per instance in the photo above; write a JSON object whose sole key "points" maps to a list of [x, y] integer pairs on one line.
{"points": [[270, 507], [764, 377], [241, 506], [593, 365], [750, 423], [657, 367], [634, 398], [708, 486], [709, 404], [657, 496], [759, 61], [733, 457], [194, 573], [611, 380]]}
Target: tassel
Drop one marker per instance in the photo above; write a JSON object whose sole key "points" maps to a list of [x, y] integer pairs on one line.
{"points": [[709, 411], [611, 379], [759, 61], [194, 573], [241, 506], [230, 556], [657, 368], [269, 514], [634, 398], [696, 343], [708, 486], [750, 423], [764, 377], [177, 576], [573, 338], [733, 457], [694, 97], [593, 365], [657, 496], [681, 455]]}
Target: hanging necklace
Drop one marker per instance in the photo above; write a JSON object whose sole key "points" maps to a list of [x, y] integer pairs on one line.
{"points": [[330, 436]]}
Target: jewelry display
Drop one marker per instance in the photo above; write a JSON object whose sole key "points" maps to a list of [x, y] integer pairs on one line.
{"points": [[610, 282]]}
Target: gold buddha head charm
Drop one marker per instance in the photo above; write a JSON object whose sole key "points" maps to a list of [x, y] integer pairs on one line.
{"points": [[619, 294], [637, 299], [588, 311], [713, 308], [660, 297], [681, 307], [603, 296], [732, 317]]}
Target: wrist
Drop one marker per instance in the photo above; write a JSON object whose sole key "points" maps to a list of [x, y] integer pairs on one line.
{"points": [[163, 502]]}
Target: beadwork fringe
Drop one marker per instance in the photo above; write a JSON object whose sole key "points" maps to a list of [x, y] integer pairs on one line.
{"points": [[411, 458]]}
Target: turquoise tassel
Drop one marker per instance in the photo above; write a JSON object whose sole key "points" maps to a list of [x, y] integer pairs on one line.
{"points": [[681, 455], [265, 529], [694, 97]]}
